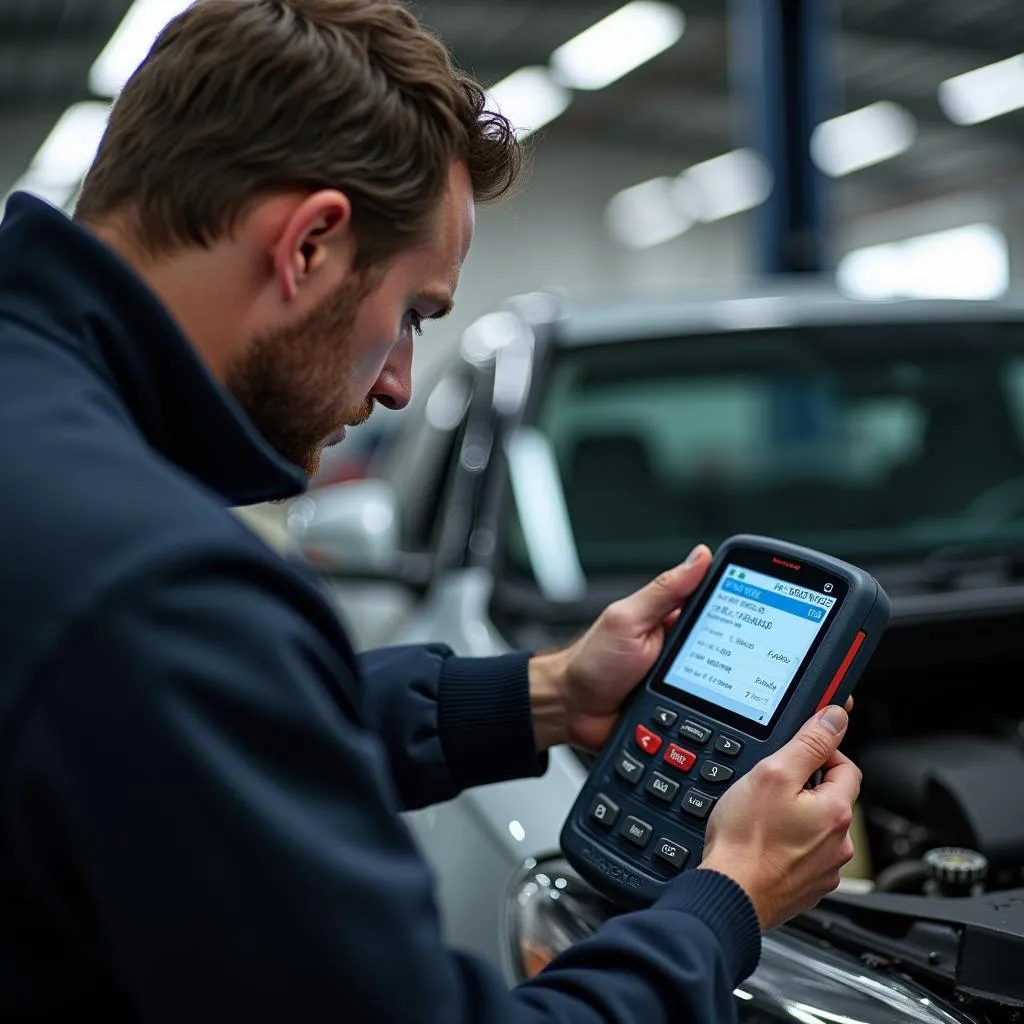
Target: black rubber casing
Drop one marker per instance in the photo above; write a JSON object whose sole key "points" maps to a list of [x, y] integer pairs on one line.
{"points": [[634, 877]]}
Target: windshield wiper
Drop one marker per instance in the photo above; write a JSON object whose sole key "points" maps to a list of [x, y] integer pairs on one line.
{"points": [[971, 565]]}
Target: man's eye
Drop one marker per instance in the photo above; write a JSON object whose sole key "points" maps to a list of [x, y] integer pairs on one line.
{"points": [[415, 322]]}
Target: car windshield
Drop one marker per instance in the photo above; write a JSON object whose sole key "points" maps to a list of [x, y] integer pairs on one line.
{"points": [[869, 441]]}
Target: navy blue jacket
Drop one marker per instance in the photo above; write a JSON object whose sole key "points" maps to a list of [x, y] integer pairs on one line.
{"points": [[200, 784]]}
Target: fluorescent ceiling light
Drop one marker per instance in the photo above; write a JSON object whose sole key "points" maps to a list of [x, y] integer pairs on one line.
{"points": [[663, 208], [729, 184], [530, 98], [985, 92], [627, 38], [970, 262], [131, 42], [71, 146], [650, 213], [863, 137]]}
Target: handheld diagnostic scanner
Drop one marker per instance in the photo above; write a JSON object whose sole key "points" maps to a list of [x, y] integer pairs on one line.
{"points": [[774, 633]]}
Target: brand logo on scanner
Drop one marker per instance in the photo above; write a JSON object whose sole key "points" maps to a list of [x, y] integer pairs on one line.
{"points": [[785, 564], [611, 870]]}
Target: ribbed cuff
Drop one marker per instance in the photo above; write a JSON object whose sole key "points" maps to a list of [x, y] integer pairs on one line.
{"points": [[485, 722], [726, 909]]}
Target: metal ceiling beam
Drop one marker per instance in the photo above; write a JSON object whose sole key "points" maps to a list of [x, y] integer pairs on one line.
{"points": [[433, 10], [966, 38], [78, 26], [673, 155], [785, 74], [41, 102]]}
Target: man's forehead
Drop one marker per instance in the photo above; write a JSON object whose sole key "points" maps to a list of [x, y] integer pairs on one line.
{"points": [[459, 208]]}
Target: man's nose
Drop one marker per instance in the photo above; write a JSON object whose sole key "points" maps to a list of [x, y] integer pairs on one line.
{"points": [[393, 388]]}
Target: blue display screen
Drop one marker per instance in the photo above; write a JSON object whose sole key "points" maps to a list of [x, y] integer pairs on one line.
{"points": [[748, 643]]}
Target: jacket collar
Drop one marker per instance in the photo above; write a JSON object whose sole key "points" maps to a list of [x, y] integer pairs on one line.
{"points": [[59, 278]]}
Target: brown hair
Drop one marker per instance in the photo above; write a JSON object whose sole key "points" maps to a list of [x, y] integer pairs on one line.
{"points": [[240, 98]]}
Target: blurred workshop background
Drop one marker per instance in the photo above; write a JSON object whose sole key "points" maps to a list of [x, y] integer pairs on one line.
{"points": [[679, 146], [649, 164]]}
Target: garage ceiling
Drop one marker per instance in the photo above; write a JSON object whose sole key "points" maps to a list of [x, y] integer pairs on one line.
{"points": [[677, 107]]}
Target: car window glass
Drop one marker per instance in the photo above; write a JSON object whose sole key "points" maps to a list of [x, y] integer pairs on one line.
{"points": [[873, 449], [420, 462]]}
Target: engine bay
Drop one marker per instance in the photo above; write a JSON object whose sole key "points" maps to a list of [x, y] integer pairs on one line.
{"points": [[936, 889], [938, 732], [935, 892]]}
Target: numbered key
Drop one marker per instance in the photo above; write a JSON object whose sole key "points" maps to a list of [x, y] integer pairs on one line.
{"points": [[711, 771], [604, 811], [696, 804], [672, 854], [628, 768], [695, 732], [662, 788], [636, 831], [665, 717], [728, 746]]}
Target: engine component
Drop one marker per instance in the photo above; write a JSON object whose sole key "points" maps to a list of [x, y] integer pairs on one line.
{"points": [[904, 876], [973, 945], [954, 871], [960, 790]]}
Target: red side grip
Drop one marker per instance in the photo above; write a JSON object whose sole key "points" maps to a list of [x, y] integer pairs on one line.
{"points": [[843, 669]]}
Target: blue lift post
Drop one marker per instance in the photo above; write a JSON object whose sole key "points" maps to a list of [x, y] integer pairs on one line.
{"points": [[784, 72]]}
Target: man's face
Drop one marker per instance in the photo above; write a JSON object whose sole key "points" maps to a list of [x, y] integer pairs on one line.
{"points": [[304, 381]]}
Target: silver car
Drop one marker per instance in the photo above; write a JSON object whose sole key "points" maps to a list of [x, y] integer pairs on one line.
{"points": [[568, 454]]}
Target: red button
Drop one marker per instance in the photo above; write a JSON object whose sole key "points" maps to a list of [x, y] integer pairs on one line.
{"points": [[646, 740], [679, 758]]}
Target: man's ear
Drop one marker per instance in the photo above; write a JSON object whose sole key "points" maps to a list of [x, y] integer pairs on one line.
{"points": [[317, 230]]}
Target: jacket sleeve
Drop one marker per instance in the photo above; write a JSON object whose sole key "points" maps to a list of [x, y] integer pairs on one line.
{"points": [[194, 806], [442, 718]]}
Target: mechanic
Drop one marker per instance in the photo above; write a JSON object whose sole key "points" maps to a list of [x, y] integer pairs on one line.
{"points": [[201, 782]]}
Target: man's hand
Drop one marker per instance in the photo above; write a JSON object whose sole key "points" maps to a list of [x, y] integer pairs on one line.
{"points": [[577, 693], [782, 843]]}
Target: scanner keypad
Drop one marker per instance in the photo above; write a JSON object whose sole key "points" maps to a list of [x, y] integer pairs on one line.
{"points": [[657, 782]]}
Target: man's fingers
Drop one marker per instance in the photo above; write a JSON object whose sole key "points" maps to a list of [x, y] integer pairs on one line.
{"points": [[849, 704], [815, 744], [649, 606], [843, 777], [837, 758]]}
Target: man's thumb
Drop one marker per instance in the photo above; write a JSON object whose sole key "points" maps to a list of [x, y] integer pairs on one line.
{"points": [[818, 740], [666, 593]]}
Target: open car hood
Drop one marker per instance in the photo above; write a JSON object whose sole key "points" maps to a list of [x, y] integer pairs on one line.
{"points": [[973, 945], [799, 978]]}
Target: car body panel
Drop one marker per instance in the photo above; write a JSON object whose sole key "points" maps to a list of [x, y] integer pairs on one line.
{"points": [[449, 476]]}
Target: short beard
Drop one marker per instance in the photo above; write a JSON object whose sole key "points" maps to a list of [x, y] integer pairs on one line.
{"points": [[291, 381]]}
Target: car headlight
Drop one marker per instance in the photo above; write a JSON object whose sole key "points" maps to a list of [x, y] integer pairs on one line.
{"points": [[549, 908]]}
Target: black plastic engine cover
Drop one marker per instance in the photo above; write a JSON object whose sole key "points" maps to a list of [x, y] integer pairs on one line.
{"points": [[966, 789], [975, 944]]}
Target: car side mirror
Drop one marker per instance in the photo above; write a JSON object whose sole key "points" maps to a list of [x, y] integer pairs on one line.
{"points": [[350, 530]]}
